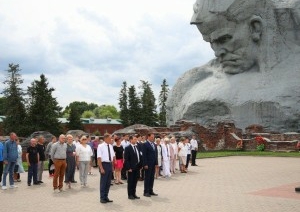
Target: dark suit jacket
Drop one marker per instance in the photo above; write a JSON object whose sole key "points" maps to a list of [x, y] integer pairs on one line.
{"points": [[149, 155], [131, 159]]}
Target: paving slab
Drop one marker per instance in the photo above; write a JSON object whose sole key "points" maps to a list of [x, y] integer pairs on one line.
{"points": [[232, 184]]}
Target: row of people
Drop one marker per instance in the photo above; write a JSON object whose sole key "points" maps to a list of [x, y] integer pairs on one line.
{"points": [[140, 159]]}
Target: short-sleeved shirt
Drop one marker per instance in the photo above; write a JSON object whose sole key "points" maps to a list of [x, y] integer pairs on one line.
{"points": [[119, 152], [41, 149], [183, 149], [102, 152], [32, 154]]}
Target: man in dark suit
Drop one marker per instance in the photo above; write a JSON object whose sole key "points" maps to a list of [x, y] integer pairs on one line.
{"points": [[133, 164], [149, 163]]}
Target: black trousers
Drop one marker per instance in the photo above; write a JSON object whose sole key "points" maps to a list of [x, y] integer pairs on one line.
{"points": [[149, 179], [188, 157], [132, 182], [49, 165], [194, 154]]}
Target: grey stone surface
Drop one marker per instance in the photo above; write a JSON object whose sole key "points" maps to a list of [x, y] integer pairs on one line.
{"points": [[255, 77]]}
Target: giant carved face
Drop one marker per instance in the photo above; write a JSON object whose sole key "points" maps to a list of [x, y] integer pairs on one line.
{"points": [[232, 43]]}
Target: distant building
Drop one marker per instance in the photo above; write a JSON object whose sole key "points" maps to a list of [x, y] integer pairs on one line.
{"points": [[90, 125]]}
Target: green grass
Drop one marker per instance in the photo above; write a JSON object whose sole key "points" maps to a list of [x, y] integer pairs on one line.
{"points": [[215, 154]]}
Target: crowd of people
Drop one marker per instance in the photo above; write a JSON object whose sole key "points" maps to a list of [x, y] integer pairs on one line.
{"points": [[129, 157]]}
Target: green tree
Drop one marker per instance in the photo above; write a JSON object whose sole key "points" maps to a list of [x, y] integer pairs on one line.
{"points": [[123, 98], [14, 108], [148, 111], [43, 109], [2, 106], [163, 96], [134, 107], [106, 111], [74, 120], [88, 114], [81, 107]]}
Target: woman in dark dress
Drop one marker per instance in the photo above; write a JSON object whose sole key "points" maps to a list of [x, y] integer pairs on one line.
{"points": [[119, 150], [71, 161]]}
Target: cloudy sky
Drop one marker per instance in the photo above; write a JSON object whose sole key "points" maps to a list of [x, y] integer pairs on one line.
{"points": [[88, 48]]}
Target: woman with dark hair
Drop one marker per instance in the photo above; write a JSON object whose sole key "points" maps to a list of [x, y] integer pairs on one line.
{"points": [[119, 152]]}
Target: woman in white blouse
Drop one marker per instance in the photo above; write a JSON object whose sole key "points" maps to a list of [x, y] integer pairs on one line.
{"points": [[182, 154], [83, 157]]}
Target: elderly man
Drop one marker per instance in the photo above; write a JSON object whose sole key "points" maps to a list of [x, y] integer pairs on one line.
{"points": [[59, 155], [10, 156], [254, 55]]}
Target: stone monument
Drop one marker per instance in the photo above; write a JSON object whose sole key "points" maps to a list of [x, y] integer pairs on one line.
{"points": [[255, 75]]}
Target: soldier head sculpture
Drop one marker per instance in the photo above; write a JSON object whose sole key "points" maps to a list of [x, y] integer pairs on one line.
{"points": [[252, 78]]}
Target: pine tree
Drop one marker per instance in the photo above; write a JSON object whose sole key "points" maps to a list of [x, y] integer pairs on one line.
{"points": [[74, 120], [134, 108], [43, 109], [163, 96], [124, 105], [148, 111], [14, 107]]}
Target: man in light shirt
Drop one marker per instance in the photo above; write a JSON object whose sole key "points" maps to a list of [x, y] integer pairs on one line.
{"points": [[194, 144]]}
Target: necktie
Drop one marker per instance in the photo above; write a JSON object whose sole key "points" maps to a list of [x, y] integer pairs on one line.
{"points": [[152, 145], [137, 153], [109, 152]]}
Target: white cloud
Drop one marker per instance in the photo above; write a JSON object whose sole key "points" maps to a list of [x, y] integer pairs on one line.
{"points": [[88, 48]]}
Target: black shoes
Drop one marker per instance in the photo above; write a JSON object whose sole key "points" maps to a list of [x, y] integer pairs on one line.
{"points": [[153, 194], [194, 165], [105, 200], [37, 183], [147, 195], [74, 181], [40, 181], [133, 197], [108, 200]]}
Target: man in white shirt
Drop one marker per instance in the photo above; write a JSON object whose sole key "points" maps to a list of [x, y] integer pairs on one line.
{"points": [[106, 158], [125, 142], [194, 144]]}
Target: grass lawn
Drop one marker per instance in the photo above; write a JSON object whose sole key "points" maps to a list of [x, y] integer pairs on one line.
{"points": [[26, 166], [246, 153]]}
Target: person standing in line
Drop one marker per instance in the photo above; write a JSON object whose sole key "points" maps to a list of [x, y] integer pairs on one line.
{"points": [[95, 147], [159, 157], [48, 155], [10, 156], [84, 155], [71, 161], [41, 149], [133, 164], [19, 166], [90, 143], [119, 152], [140, 145], [59, 155], [188, 153], [166, 157], [182, 154], [1, 162], [106, 159], [124, 143], [173, 159], [149, 163], [194, 144], [32, 158]]}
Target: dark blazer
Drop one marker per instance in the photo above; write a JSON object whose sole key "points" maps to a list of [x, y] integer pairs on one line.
{"points": [[131, 159], [149, 154]]}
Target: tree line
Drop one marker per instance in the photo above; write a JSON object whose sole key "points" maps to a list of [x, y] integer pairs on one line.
{"points": [[140, 107], [35, 109]]}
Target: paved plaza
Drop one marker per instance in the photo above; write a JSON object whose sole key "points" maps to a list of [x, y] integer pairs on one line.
{"points": [[233, 184]]}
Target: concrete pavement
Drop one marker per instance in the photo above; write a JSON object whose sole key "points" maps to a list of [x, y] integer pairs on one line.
{"points": [[232, 184]]}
